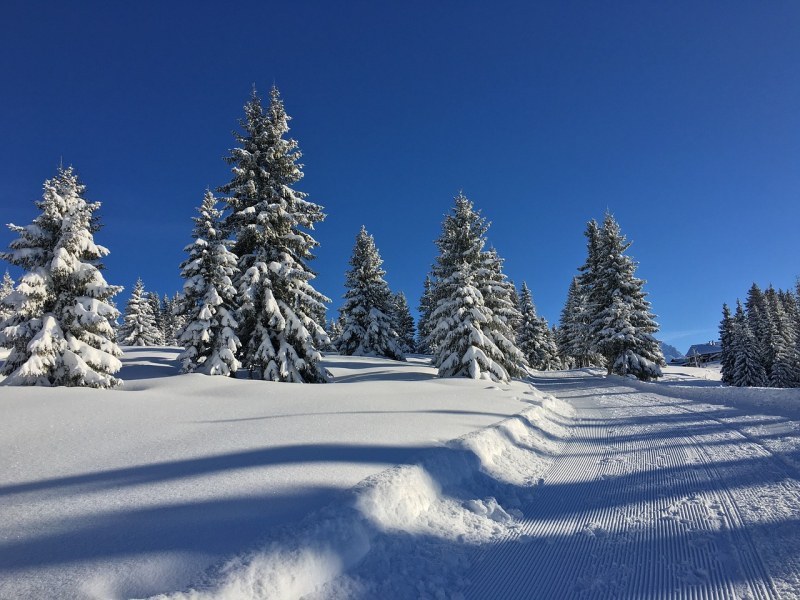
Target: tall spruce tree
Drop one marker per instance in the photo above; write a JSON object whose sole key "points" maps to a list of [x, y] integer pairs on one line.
{"points": [[154, 298], [208, 335], [139, 324], [468, 338], [60, 331], [760, 328], [728, 359], [534, 336], [426, 306], [785, 371], [748, 369], [623, 326], [404, 323], [280, 311], [368, 311]]}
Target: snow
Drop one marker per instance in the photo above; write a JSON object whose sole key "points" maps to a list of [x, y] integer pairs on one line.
{"points": [[137, 491], [393, 483]]}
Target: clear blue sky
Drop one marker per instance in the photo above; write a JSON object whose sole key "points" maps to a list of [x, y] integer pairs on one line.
{"points": [[683, 118]]}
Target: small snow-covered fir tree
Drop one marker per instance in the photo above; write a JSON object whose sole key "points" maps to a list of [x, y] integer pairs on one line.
{"points": [[404, 323], [334, 330], [534, 336], [728, 359], [139, 324], [60, 331], [426, 305], [367, 314], [468, 339], [169, 320], [280, 311], [748, 370], [154, 298], [623, 326], [208, 334], [6, 288]]}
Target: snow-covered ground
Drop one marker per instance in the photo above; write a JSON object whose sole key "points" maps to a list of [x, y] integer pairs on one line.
{"points": [[137, 491], [392, 483]]}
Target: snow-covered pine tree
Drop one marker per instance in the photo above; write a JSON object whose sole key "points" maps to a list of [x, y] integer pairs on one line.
{"points": [[499, 293], [60, 331], [515, 321], [367, 314], [208, 334], [169, 320], [139, 324], [270, 222], [154, 298], [728, 360], [426, 306], [761, 327], [534, 336], [6, 288], [178, 315], [334, 331], [469, 339], [623, 326], [404, 323], [785, 372], [564, 337], [748, 370]]}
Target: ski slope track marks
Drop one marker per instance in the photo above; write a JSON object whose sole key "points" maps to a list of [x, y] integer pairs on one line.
{"points": [[654, 496]]}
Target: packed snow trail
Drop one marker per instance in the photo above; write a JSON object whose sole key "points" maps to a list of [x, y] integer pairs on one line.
{"points": [[653, 497]]}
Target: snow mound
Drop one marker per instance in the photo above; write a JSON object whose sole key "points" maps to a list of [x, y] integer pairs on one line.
{"points": [[409, 530]]}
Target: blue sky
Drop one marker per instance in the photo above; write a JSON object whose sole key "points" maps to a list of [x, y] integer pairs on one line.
{"points": [[682, 118]]}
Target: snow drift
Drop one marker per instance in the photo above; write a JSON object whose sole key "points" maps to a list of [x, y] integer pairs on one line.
{"points": [[409, 529]]}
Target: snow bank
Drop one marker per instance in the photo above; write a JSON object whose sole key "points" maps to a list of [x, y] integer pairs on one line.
{"points": [[784, 402], [406, 531]]}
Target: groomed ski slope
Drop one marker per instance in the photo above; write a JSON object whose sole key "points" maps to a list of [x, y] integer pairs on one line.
{"points": [[657, 496]]}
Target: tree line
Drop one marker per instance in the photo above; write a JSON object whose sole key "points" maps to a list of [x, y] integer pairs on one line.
{"points": [[248, 301], [761, 340]]}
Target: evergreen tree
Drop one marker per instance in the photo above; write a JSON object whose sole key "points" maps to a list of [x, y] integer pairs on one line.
{"points": [[748, 370], [468, 338], [208, 335], [582, 307], [6, 289], [499, 295], [139, 324], [157, 309], [567, 326], [334, 331], [785, 372], [623, 326], [760, 327], [280, 311], [367, 328], [426, 306], [728, 360], [60, 331], [169, 319], [534, 336], [515, 321], [404, 323]]}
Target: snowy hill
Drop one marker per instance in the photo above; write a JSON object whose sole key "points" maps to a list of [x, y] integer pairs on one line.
{"points": [[132, 492], [393, 483]]}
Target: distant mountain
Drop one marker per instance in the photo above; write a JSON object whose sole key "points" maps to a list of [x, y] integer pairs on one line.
{"points": [[670, 352]]}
